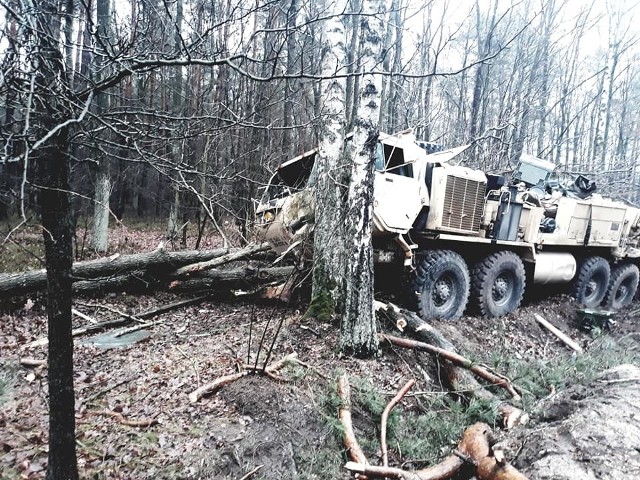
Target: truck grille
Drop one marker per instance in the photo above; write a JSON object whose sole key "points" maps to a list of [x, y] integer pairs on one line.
{"points": [[463, 204]]}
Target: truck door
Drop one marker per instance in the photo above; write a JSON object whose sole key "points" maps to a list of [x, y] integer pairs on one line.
{"points": [[399, 193]]}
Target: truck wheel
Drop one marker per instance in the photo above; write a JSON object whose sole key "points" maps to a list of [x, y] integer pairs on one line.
{"points": [[441, 285], [591, 283], [622, 286], [498, 283]]}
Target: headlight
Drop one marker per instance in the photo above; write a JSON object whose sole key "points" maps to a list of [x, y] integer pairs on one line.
{"points": [[268, 217]]}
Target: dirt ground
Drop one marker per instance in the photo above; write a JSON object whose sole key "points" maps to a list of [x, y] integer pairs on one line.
{"points": [[285, 428]]}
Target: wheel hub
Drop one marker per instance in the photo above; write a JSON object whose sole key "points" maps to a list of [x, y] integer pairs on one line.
{"points": [[442, 291], [501, 288], [622, 292]]}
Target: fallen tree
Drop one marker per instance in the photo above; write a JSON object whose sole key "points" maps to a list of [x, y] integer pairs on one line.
{"points": [[457, 375], [146, 271], [244, 277]]}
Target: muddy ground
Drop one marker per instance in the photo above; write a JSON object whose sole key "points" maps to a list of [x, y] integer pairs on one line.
{"points": [[286, 428]]}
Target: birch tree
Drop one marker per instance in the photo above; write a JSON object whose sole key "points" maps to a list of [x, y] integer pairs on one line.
{"points": [[331, 189], [358, 329], [100, 237]]}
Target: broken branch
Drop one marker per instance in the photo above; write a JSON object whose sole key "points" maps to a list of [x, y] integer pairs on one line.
{"points": [[385, 415], [474, 447], [221, 260], [344, 414], [565, 339], [119, 321], [460, 380], [227, 379], [456, 359], [32, 362]]}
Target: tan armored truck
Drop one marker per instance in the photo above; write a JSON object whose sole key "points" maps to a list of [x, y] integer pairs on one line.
{"points": [[463, 238]]}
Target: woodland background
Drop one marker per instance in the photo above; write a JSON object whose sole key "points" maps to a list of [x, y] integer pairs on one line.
{"points": [[185, 107], [177, 111]]}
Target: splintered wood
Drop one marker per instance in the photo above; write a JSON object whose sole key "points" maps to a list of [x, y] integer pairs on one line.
{"points": [[474, 451]]}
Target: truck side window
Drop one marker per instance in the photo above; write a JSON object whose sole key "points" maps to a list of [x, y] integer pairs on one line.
{"points": [[395, 162]]}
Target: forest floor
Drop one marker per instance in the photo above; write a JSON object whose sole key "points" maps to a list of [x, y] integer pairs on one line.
{"points": [[288, 429]]}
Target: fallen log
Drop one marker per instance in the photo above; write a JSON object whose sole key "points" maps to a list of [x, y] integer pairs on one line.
{"points": [[138, 281], [246, 277], [238, 254], [458, 379], [158, 260], [474, 450]]}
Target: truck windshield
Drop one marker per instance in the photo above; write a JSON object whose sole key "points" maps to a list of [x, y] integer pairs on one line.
{"points": [[291, 177], [390, 159]]}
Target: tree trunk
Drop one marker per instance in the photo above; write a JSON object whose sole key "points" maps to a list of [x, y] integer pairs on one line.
{"points": [[57, 232], [328, 264], [24, 282], [358, 331], [100, 238], [177, 146], [287, 123]]}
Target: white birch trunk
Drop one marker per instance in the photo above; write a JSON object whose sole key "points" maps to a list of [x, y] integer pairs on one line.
{"points": [[328, 266], [100, 236], [358, 330], [100, 233]]}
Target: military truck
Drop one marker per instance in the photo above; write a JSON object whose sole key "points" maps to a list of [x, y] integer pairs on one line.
{"points": [[463, 238]]}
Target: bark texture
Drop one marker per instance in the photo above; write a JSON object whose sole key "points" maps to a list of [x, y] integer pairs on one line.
{"points": [[358, 331], [330, 192], [58, 233]]}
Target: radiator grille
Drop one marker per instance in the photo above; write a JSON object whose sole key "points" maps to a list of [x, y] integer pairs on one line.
{"points": [[463, 204]]}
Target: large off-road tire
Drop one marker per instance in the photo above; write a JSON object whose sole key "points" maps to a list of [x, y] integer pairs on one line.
{"points": [[590, 285], [440, 285], [622, 286], [497, 284]]}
